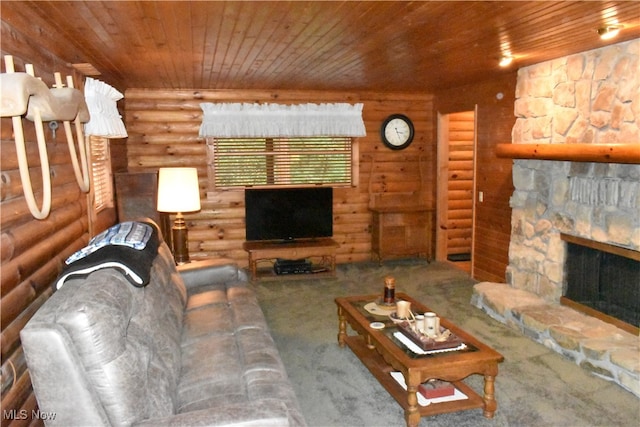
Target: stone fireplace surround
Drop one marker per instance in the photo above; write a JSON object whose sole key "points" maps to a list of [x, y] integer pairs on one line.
{"points": [[588, 98]]}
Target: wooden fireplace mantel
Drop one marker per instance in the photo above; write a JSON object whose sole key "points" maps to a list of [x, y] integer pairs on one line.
{"points": [[599, 153]]}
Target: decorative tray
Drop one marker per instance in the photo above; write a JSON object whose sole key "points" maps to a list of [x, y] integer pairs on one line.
{"points": [[379, 308], [427, 343]]}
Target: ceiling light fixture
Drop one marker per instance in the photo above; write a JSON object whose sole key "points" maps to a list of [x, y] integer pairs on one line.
{"points": [[506, 60], [608, 32]]}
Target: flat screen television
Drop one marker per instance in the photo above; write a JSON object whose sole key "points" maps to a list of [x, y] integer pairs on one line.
{"points": [[288, 214]]}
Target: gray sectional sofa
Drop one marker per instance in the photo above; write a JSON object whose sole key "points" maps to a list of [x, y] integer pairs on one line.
{"points": [[189, 348]]}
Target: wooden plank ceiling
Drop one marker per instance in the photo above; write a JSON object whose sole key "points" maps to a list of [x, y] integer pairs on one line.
{"points": [[341, 45]]}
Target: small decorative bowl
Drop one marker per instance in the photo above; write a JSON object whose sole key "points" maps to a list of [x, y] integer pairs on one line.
{"points": [[395, 319]]}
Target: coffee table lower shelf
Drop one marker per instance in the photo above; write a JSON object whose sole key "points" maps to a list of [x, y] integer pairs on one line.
{"points": [[382, 371]]}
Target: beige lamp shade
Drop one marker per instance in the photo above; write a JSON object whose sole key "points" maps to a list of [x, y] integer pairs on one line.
{"points": [[178, 190]]}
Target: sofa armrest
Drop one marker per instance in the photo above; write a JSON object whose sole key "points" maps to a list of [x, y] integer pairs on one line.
{"points": [[209, 272], [59, 379], [262, 413]]}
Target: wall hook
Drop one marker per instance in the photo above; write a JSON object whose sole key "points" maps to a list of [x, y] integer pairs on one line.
{"points": [[53, 125], [21, 152], [82, 177]]}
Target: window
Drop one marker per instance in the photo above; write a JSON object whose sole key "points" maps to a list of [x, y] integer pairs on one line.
{"points": [[102, 183], [269, 162]]}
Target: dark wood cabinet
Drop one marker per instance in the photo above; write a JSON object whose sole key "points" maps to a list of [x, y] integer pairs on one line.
{"points": [[402, 231], [136, 197]]}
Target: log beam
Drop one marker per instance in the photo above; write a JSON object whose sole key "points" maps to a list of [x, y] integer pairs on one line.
{"points": [[599, 153]]}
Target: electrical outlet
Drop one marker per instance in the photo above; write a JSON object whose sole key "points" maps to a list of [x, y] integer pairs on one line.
{"points": [[480, 196]]}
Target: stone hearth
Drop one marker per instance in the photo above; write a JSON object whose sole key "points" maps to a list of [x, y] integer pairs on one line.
{"points": [[593, 344]]}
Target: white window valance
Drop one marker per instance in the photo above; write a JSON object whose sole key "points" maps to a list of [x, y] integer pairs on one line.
{"points": [[244, 120], [105, 119]]}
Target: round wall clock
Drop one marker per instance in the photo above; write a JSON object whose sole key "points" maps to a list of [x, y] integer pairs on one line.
{"points": [[397, 131]]}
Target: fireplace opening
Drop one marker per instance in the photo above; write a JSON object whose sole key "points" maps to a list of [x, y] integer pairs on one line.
{"points": [[604, 278]]}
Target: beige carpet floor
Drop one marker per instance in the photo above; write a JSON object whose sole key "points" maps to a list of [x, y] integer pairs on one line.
{"points": [[535, 386]]}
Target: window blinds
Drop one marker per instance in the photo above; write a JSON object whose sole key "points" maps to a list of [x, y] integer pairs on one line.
{"points": [[101, 173], [244, 162]]}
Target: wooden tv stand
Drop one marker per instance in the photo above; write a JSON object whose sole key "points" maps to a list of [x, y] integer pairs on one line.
{"points": [[323, 249]]}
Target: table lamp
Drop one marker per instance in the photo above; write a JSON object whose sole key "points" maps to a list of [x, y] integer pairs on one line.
{"points": [[179, 192]]}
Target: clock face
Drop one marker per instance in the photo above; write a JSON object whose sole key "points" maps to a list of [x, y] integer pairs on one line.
{"points": [[397, 132]]}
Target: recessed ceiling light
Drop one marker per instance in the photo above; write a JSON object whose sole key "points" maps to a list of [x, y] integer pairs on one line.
{"points": [[86, 69], [505, 61], [609, 32]]}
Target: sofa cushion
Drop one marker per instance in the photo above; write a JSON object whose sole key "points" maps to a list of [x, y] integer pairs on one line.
{"points": [[201, 275], [228, 354], [211, 368], [262, 413], [211, 374]]}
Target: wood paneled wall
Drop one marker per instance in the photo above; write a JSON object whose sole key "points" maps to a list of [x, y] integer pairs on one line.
{"points": [[495, 119], [33, 251], [163, 131]]}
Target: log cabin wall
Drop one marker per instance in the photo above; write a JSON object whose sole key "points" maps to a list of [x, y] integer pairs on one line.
{"points": [[460, 182], [163, 131], [33, 251], [495, 119]]}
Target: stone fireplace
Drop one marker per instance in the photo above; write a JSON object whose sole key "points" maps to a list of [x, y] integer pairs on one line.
{"points": [[594, 201], [588, 98]]}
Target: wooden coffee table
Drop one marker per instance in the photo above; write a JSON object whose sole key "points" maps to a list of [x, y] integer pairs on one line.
{"points": [[382, 353]]}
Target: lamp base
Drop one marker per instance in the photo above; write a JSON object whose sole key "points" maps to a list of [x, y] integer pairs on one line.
{"points": [[179, 236]]}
